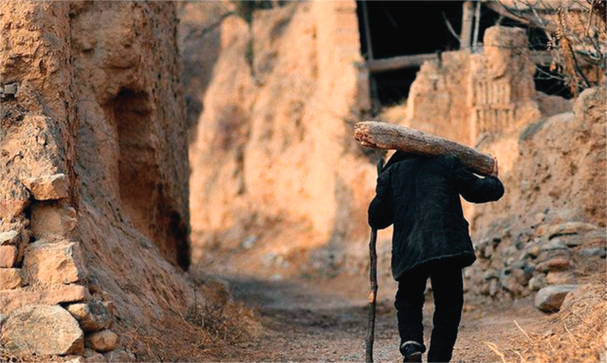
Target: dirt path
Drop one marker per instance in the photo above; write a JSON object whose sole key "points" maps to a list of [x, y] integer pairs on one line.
{"points": [[326, 321]]}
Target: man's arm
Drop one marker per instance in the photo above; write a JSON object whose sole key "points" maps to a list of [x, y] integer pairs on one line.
{"points": [[380, 209], [478, 190]]}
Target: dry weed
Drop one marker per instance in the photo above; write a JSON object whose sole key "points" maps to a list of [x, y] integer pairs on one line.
{"points": [[219, 316], [578, 333]]}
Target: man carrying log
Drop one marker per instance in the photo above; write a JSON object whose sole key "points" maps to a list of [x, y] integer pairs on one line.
{"points": [[420, 195]]}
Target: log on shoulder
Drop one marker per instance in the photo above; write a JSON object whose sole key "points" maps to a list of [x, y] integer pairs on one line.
{"points": [[383, 135]]}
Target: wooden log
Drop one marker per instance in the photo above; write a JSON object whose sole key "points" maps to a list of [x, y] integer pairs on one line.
{"points": [[382, 135], [399, 62]]}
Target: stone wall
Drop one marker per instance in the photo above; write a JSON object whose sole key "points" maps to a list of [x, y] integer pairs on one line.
{"points": [[94, 215], [548, 229]]}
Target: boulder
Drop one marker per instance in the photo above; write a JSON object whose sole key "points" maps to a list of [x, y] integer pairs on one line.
{"points": [[550, 298], [91, 356], [10, 278], [13, 205], [48, 187], [43, 330], [119, 356], [74, 359], [53, 263], [537, 282], [560, 278], [569, 228], [11, 300], [102, 341], [8, 255], [52, 221], [595, 237], [594, 251], [555, 264], [92, 316], [9, 238]]}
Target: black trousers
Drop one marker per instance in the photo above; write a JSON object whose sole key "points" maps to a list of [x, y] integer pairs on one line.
{"points": [[447, 287]]}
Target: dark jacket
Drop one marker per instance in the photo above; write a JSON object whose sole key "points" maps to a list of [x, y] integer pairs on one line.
{"points": [[420, 196]]}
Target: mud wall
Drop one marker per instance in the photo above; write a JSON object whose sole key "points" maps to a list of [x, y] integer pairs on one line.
{"points": [[274, 167], [94, 175]]}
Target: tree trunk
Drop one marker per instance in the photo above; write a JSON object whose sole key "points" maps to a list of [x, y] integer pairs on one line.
{"points": [[382, 135]]}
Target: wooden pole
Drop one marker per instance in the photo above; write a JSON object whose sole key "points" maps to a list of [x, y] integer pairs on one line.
{"points": [[367, 30], [373, 282], [383, 135], [477, 20], [467, 19]]}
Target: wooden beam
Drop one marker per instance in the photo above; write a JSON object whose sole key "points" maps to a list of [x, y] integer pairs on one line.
{"points": [[382, 135], [400, 62]]}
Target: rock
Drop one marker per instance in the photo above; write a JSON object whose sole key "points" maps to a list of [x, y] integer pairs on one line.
{"points": [[588, 252], [13, 299], [552, 245], [53, 263], [537, 282], [532, 252], [10, 278], [43, 330], [8, 255], [13, 205], [569, 228], [97, 358], [92, 316], [555, 264], [597, 236], [494, 287], [74, 359], [550, 298], [48, 187], [49, 220], [102, 341], [91, 356], [9, 238], [571, 240], [490, 274], [560, 278], [11, 89], [119, 356]]}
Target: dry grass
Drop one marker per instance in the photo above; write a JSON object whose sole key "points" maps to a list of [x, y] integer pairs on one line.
{"points": [[578, 333], [212, 329], [220, 317]]}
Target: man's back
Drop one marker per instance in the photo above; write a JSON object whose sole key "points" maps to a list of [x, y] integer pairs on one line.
{"points": [[420, 196]]}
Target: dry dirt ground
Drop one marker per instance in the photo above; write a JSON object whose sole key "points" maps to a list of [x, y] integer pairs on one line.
{"points": [[326, 321]]}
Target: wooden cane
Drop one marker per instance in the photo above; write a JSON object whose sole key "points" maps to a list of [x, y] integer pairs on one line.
{"points": [[373, 281]]}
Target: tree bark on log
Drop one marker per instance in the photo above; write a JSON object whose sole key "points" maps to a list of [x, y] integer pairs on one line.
{"points": [[382, 135]]}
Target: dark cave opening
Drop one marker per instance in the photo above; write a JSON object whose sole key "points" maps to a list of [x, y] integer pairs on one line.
{"points": [[401, 28]]}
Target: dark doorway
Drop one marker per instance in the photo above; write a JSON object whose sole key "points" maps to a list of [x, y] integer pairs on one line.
{"points": [[400, 28], [406, 28]]}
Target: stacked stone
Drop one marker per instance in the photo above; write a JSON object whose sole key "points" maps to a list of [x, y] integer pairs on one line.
{"points": [[548, 260], [46, 307]]}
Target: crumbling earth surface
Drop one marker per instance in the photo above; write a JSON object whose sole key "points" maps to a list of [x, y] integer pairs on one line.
{"points": [[327, 320]]}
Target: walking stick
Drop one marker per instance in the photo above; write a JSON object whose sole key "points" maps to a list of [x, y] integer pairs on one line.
{"points": [[373, 281]]}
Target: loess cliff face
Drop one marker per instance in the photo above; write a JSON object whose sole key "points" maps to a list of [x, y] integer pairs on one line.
{"points": [[94, 172], [275, 172]]}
